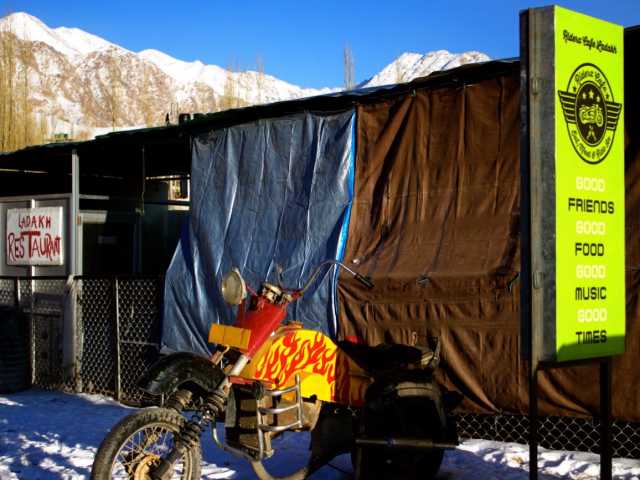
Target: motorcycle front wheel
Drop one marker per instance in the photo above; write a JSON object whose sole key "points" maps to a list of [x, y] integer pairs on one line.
{"points": [[137, 443]]}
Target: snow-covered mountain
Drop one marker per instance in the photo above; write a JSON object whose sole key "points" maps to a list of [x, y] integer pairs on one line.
{"points": [[414, 65], [70, 42], [81, 82]]}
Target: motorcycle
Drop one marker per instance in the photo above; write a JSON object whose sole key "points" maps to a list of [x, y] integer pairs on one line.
{"points": [[380, 404]]}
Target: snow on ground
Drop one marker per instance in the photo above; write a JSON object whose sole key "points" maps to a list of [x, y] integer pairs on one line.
{"points": [[52, 435]]}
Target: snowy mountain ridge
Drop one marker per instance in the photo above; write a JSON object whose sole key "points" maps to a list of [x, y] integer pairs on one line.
{"points": [[82, 82], [71, 42], [414, 65]]}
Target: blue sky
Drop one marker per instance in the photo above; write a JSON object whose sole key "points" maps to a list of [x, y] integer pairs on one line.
{"points": [[302, 41]]}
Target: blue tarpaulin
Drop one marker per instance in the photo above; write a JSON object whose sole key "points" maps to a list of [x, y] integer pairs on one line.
{"points": [[271, 192]]}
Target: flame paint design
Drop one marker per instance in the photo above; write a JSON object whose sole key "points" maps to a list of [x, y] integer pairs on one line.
{"points": [[292, 354]]}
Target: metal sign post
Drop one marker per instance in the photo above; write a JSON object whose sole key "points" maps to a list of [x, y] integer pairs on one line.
{"points": [[527, 337], [572, 201], [606, 453]]}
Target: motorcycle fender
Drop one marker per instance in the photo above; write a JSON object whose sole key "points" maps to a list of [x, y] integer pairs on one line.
{"points": [[177, 369], [428, 390], [443, 403]]}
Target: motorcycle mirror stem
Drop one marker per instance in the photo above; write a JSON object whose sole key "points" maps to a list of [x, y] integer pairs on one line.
{"points": [[279, 271], [366, 281]]}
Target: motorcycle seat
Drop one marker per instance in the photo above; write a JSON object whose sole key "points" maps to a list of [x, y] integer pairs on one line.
{"points": [[387, 356]]}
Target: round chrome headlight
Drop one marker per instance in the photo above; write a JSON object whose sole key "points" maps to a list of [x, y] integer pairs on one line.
{"points": [[233, 287]]}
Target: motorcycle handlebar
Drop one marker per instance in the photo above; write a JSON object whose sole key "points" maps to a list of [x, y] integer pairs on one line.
{"points": [[361, 278]]}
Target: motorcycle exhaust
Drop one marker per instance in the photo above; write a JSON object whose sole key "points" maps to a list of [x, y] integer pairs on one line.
{"points": [[400, 442]]}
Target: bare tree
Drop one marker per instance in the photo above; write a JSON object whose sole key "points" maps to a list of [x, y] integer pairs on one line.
{"points": [[18, 126], [43, 131], [399, 74], [112, 91], [26, 119], [259, 79], [7, 89], [226, 101], [82, 134], [231, 89], [209, 101], [147, 98], [349, 68]]}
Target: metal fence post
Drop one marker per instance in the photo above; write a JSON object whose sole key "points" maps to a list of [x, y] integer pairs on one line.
{"points": [[606, 467], [117, 339], [30, 336], [533, 420], [78, 333], [16, 292]]}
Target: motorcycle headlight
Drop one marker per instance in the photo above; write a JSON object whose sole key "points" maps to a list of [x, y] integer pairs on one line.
{"points": [[233, 287]]}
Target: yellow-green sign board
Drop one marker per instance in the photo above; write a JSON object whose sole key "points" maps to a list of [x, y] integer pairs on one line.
{"points": [[577, 184]]}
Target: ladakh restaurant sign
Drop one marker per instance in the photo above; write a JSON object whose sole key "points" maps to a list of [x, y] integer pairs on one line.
{"points": [[577, 185], [34, 236]]}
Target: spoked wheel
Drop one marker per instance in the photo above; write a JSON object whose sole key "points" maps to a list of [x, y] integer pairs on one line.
{"points": [[136, 444]]}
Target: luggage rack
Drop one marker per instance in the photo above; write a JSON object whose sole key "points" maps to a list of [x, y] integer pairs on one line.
{"points": [[263, 427], [262, 424]]}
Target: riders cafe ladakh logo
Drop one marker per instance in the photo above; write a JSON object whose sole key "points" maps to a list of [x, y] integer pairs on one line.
{"points": [[590, 112]]}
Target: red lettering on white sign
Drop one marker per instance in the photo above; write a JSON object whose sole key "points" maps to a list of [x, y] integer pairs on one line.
{"points": [[34, 236]]}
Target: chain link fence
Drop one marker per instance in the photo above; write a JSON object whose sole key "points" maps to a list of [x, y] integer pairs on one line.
{"points": [[97, 352], [41, 301], [119, 319], [116, 337], [556, 433]]}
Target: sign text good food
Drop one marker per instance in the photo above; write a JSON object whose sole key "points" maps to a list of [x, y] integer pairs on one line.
{"points": [[34, 236]]}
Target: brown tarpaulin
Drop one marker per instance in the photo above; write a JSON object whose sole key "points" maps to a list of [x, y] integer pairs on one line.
{"points": [[435, 223]]}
